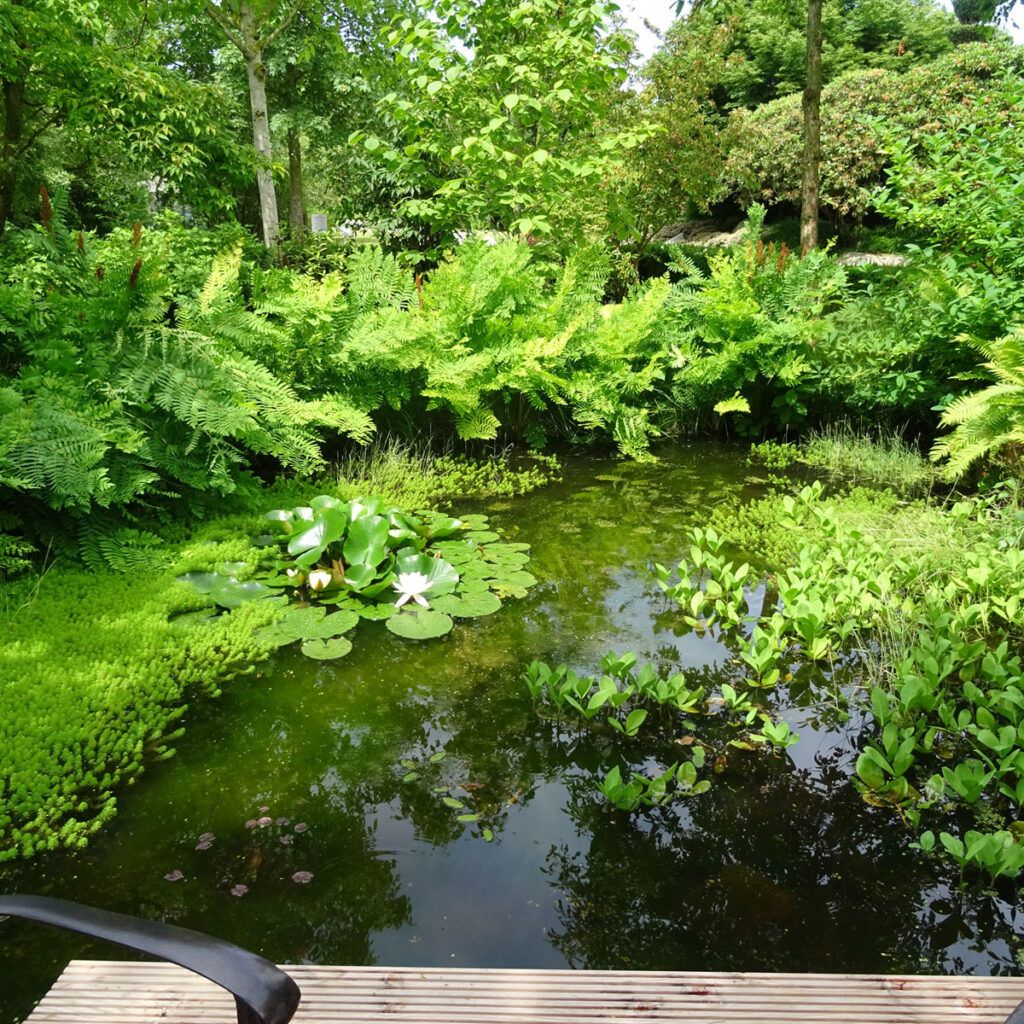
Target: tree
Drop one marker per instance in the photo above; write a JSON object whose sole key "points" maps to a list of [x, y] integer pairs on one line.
{"points": [[246, 23], [767, 42], [87, 93], [680, 165], [812, 130], [499, 121]]}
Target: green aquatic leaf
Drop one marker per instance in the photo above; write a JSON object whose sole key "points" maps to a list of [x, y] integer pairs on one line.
{"points": [[442, 576], [411, 777], [271, 637], [229, 593], [325, 501], [360, 575], [517, 578], [482, 536], [329, 526], [450, 801], [377, 612], [314, 624], [423, 624], [458, 552], [367, 541], [440, 755], [440, 527], [203, 582], [470, 605], [488, 835], [327, 650], [468, 817], [360, 507]]}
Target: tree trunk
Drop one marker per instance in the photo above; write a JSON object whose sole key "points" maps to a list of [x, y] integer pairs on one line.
{"points": [[14, 125], [296, 201], [812, 130], [257, 71]]}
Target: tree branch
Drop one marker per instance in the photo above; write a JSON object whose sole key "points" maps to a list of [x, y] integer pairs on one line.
{"points": [[226, 27], [284, 24]]}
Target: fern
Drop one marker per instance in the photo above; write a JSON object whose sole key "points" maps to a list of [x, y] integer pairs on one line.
{"points": [[991, 421]]}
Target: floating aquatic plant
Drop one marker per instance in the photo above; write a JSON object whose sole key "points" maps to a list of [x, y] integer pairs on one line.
{"points": [[341, 561]]}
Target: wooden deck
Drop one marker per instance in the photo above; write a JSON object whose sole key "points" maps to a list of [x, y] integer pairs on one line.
{"points": [[115, 992]]}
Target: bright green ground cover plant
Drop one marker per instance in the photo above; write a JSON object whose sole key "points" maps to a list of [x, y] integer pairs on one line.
{"points": [[927, 599]]}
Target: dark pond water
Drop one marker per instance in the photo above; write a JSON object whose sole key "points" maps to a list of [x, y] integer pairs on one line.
{"points": [[780, 866]]}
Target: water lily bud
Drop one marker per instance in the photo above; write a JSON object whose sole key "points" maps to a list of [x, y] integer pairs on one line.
{"points": [[319, 579]]}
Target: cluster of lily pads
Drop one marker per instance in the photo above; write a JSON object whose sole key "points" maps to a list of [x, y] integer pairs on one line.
{"points": [[341, 561]]}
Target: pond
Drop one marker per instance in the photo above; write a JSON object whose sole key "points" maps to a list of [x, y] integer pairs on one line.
{"points": [[312, 813]]}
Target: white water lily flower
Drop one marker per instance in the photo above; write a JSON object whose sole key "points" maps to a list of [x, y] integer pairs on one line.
{"points": [[411, 585], [320, 579]]}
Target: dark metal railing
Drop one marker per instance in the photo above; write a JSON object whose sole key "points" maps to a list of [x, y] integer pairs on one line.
{"points": [[263, 993]]}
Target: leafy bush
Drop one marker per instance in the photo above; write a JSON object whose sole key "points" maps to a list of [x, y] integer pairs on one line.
{"points": [[749, 330], [116, 397], [857, 114]]}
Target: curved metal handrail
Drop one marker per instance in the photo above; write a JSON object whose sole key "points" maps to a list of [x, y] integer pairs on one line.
{"points": [[263, 993]]}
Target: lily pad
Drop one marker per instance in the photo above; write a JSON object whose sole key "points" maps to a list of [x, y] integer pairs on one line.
{"points": [[420, 625], [367, 541], [203, 582], [508, 548], [229, 593], [441, 575], [469, 606], [329, 526], [377, 612], [482, 536], [271, 637], [327, 650], [361, 574], [444, 526], [458, 552], [516, 578], [315, 624], [474, 585]]}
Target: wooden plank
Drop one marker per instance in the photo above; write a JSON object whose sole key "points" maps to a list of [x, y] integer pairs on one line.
{"points": [[118, 992]]}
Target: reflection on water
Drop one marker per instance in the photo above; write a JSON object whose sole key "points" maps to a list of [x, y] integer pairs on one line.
{"points": [[320, 851]]}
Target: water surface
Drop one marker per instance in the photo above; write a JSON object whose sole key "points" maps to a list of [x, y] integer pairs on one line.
{"points": [[779, 867]]}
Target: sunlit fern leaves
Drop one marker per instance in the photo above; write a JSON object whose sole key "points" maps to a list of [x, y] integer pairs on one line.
{"points": [[988, 422]]}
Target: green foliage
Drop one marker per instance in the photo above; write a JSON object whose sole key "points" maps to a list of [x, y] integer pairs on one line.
{"points": [[767, 42], [679, 166], [639, 705], [883, 459], [927, 600], [988, 422], [514, 135], [749, 331], [82, 710], [416, 478], [859, 114], [115, 397], [498, 350], [352, 558]]}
